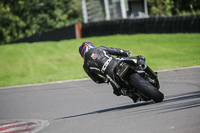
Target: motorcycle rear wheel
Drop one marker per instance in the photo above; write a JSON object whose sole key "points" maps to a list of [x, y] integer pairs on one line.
{"points": [[146, 88]]}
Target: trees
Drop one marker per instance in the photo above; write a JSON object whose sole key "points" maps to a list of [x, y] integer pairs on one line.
{"points": [[173, 7], [186, 7], [20, 18], [160, 7]]}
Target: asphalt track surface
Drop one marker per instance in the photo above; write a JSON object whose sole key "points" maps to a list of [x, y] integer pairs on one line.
{"points": [[85, 107]]}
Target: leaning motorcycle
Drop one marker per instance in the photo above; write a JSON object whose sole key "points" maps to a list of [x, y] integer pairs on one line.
{"points": [[140, 80]]}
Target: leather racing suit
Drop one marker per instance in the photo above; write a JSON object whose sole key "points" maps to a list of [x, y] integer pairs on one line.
{"points": [[100, 65]]}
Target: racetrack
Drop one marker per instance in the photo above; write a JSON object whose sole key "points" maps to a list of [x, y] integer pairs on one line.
{"points": [[85, 107]]}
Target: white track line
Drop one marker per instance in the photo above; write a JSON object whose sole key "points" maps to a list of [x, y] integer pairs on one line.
{"points": [[37, 84], [83, 79], [179, 69]]}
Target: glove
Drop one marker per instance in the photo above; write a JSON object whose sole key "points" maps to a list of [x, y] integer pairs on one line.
{"points": [[127, 53]]}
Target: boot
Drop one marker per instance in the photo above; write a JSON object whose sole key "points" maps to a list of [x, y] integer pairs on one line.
{"points": [[124, 91], [119, 92], [134, 97], [130, 94]]}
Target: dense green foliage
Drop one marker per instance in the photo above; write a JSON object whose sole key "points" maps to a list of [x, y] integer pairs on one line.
{"points": [[20, 18], [173, 7], [26, 63]]}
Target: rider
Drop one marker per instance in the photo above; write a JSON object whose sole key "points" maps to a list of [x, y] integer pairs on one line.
{"points": [[100, 65]]}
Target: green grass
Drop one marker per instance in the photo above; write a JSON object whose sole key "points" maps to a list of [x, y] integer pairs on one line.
{"points": [[28, 63]]}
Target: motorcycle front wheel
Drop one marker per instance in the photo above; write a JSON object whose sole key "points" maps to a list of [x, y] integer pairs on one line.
{"points": [[146, 88]]}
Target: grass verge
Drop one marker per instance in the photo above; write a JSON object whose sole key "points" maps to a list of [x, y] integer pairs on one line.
{"points": [[28, 63]]}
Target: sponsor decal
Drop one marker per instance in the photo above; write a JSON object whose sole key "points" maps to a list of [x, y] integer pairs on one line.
{"points": [[93, 56], [105, 65]]}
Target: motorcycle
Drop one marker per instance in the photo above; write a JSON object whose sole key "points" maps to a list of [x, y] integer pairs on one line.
{"points": [[140, 80]]}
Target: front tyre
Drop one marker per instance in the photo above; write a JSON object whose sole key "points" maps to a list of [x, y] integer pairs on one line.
{"points": [[146, 88]]}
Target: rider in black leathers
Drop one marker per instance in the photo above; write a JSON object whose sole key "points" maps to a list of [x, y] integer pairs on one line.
{"points": [[100, 65]]}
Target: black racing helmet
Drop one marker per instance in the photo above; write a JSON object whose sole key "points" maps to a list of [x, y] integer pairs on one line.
{"points": [[85, 47]]}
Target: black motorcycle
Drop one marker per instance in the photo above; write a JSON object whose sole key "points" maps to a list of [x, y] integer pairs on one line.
{"points": [[140, 80]]}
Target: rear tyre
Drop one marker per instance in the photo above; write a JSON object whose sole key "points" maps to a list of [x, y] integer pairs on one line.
{"points": [[146, 88]]}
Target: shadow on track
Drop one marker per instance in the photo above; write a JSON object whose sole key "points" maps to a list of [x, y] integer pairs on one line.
{"points": [[173, 103], [183, 96], [107, 110], [184, 101]]}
